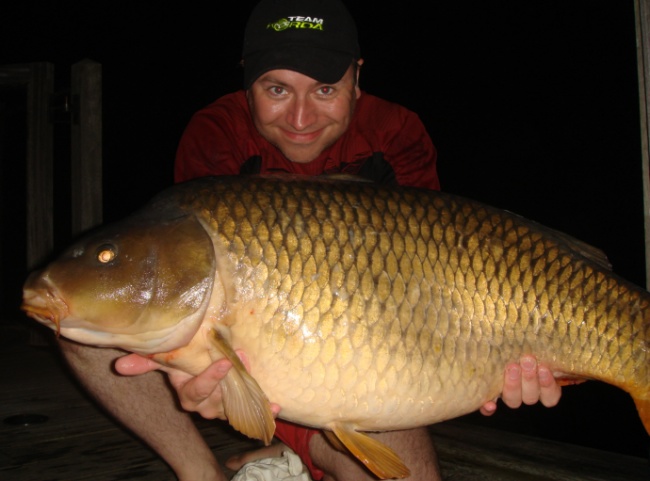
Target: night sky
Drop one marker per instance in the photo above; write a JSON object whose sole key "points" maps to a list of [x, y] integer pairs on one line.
{"points": [[533, 106]]}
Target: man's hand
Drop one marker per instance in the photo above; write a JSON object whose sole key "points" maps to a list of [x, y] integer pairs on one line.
{"points": [[201, 394], [526, 383]]}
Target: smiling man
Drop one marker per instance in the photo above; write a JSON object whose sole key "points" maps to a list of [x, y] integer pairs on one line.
{"points": [[301, 111]]}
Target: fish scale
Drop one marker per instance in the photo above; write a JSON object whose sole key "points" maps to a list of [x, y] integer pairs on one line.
{"points": [[359, 307]]}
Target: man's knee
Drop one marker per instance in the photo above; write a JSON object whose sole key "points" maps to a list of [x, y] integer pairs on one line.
{"points": [[413, 446], [80, 356]]}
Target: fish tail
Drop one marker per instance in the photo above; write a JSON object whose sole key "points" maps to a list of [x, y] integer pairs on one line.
{"points": [[643, 408]]}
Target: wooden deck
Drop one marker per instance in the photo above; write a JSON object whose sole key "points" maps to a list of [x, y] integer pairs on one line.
{"points": [[51, 431]]}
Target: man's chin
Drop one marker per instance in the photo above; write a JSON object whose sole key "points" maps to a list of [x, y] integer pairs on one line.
{"points": [[300, 157]]}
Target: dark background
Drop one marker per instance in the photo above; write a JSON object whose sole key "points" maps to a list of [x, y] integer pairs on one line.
{"points": [[533, 106]]}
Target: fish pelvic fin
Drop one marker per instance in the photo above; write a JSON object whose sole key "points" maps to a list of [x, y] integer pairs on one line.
{"points": [[245, 405], [334, 441], [376, 456]]}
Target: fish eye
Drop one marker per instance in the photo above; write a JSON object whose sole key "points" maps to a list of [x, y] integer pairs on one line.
{"points": [[106, 253]]}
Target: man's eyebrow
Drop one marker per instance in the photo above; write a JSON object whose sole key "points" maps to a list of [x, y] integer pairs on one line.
{"points": [[271, 79]]}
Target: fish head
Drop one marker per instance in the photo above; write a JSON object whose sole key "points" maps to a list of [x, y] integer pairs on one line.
{"points": [[142, 284]]}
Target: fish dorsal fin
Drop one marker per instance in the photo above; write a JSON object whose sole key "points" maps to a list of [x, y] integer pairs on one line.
{"points": [[589, 252], [343, 177], [594, 254], [245, 405], [376, 456]]}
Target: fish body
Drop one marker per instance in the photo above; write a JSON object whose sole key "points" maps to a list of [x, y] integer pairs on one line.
{"points": [[359, 308]]}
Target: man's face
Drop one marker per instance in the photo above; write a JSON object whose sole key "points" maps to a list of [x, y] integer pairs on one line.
{"points": [[299, 115]]}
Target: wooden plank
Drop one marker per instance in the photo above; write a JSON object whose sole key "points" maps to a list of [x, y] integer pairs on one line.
{"points": [[470, 452], [15, 75], [78, 441]]}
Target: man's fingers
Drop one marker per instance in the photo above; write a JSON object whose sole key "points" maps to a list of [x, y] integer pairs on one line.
{"points": [[195, 390], [530, 393], [202, 393], [511, 395], [133, 365], [549, 390], [489, 408], [528, 383]]}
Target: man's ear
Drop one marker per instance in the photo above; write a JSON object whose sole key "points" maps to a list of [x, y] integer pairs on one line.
{"points": [[356, 83]]}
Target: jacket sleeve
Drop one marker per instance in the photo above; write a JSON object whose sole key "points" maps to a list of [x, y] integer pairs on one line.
{"points": [[412, 154], [207, 147]]}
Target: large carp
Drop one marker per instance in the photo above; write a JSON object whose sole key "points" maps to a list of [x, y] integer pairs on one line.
{"points": [[360, 308]]}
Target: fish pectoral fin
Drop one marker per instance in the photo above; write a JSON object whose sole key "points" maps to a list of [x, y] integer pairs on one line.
{"points": [[376, 456], [245, 405]]}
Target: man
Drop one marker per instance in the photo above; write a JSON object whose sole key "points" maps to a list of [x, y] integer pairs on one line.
{"points": [[302, 112]]}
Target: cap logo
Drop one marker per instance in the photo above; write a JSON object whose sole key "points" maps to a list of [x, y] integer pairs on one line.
{"points": [[297, 23]]}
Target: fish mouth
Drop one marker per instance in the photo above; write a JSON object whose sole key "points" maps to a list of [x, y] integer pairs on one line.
{"points": [[44, 305]]}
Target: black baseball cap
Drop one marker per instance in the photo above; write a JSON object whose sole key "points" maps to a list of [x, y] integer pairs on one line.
{"points": [[317, 38]]}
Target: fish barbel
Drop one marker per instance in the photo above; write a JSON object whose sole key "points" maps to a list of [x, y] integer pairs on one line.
{"points": [[360, 308]]}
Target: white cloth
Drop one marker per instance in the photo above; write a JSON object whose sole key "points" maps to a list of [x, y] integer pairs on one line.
{"points": [[289, 467]]}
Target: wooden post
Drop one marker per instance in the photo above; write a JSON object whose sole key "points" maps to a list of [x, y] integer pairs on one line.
{"points": [[40, 191], [642, 18], [86, 148], [37, 80]]}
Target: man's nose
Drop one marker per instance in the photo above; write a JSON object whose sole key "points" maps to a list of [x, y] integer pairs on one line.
{"points": [[302, 113]]}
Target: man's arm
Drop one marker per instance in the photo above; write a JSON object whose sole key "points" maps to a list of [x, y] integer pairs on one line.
{"points": [[201, 394]]}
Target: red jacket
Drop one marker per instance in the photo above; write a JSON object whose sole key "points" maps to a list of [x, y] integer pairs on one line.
{"points": [[384, 142]]}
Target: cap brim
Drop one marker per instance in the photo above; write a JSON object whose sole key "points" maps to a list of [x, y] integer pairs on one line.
{"points": [[325, 66]]}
